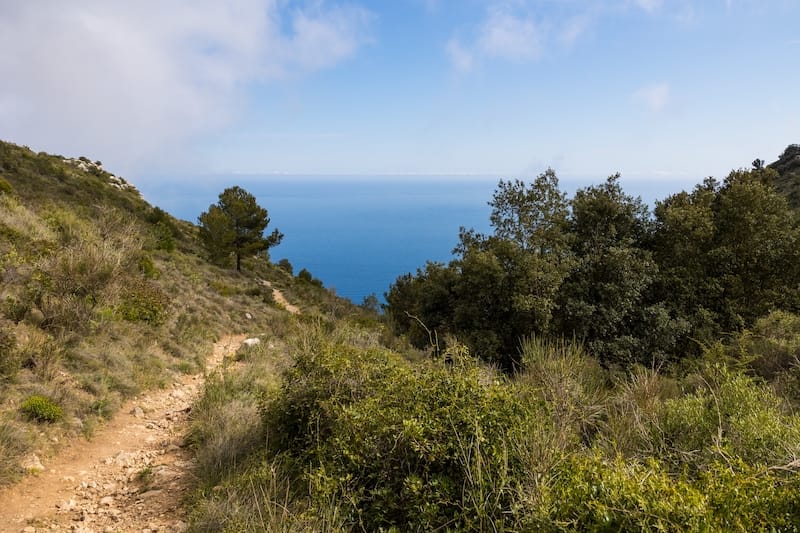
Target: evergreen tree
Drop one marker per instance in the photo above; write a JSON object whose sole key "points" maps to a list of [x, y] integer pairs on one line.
{"points": [[235, 225]]}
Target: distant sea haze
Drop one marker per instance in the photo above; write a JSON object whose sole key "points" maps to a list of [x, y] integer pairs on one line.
{"points": [[358, 234]]}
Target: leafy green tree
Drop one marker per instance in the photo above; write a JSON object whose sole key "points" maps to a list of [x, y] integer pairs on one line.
{"points": [[683, 237], [235, 225], [502, 287], [756, 251], [604, 301], [727, 253]]}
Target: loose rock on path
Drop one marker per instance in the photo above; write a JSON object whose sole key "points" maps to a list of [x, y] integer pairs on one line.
{"points": [[131, 477]]}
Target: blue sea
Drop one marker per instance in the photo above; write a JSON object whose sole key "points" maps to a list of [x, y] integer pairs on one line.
{"points": [[358, 234]]}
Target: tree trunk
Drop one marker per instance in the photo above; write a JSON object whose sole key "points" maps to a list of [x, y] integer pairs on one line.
{"points": [[238, 262]]}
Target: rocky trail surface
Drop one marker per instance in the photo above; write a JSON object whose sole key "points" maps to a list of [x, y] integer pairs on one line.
{"points": [[130, 477]]}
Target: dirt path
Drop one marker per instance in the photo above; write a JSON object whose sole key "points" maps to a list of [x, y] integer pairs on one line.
{"points": [[278, 296], [130, 477]]}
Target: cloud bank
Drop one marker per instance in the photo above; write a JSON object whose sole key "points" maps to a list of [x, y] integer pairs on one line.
{"points": [[132, 81]]}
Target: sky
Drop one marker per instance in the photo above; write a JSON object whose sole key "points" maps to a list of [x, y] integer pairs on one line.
{"points": [[668, 90]]}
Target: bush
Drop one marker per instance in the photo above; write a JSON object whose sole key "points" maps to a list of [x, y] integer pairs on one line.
{"points": [[730, 416], [225, 427], [772, 348], [286, 266], [412, 448], [589, 493], [147, 268], [305, 276], [141, 301], [163, 237], [5, 186], [42, 409]]}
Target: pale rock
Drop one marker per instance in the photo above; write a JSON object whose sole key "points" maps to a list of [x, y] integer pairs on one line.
{"points": [[137, 412], [150, 494], [32, 463], [107, 501], [67, 506], [248, 316], [254, 341]]}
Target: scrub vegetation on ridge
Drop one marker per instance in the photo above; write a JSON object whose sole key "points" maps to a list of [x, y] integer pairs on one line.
{"points": [[103, 297]]}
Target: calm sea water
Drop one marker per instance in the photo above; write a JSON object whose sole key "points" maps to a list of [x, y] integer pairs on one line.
{"points": [[356, 234]]}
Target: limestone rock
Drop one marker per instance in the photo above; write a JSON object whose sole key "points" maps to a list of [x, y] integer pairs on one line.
{"points": [[32, 463], [254, 341]]}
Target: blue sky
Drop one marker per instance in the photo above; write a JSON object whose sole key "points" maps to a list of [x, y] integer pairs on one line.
{"points": [[671, 90]]}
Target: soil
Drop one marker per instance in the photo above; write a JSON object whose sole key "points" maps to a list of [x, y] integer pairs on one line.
{"points": [[132, 476]]}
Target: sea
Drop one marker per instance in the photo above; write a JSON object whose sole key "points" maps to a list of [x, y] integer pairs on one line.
{"points": [[359, 233]]}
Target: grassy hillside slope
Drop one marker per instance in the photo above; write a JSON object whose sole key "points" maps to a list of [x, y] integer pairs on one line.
{"points": [[103, 296]]}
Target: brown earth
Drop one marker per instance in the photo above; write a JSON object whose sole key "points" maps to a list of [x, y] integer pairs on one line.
{"points": [[130, 477]]}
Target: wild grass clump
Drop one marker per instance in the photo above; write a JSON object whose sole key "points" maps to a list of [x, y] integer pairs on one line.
{"points": [[10, 360], [42, 409], [14, 444], [225, 426]]}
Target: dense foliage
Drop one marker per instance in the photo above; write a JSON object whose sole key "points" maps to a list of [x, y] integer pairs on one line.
{"points": [[635, 287], [353, 437]]}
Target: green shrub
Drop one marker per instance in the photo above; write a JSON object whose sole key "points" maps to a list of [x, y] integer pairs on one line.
{"points": [[730, 416], [772, 349], [286, 266], [570, 383], [141, 301], [147, 268], [163, 237], [225, 427], [42, 409], [5, 187], [223, 289], [305, 276], [412, 448], [590, 493], [746, 498]]}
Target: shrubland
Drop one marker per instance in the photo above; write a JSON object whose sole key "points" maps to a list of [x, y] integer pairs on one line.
{"points": [[332, 431], [102, 297], [587, 367]]}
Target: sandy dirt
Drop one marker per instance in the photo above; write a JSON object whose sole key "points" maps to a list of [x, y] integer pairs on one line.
{"points": [[130, 477]]}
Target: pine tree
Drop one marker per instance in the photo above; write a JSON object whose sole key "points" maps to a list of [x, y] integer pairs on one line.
{"points": [[235, 225]]}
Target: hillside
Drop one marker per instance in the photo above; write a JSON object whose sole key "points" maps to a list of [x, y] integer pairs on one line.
{"points": [[788, 168], [103, 297], [333, 423]]}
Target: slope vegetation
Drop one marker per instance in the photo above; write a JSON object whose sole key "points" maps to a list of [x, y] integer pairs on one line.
{"points": [[102, 297]]}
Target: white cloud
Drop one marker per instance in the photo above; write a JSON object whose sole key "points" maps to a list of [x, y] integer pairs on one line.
{"points": [[508, 36], [503, 34], [132, 81], [655, 97]]}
